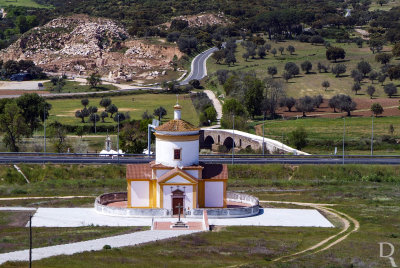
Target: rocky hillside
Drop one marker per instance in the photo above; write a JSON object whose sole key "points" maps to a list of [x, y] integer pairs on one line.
{"points": [[80, 45], [202, 19]]}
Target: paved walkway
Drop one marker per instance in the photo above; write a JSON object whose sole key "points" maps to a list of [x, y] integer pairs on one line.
{"points": [[96, 244], [216, 103], [76, 217]]}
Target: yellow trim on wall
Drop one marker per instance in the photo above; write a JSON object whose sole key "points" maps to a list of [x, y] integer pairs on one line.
{"points": [[177, 138], [201, 193], [194, 197], [129, 194], [161, 197], [225, 204]]}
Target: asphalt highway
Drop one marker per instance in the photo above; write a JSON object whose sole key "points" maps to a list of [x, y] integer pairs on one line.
{"points": [[198, 68], [15, 159]]}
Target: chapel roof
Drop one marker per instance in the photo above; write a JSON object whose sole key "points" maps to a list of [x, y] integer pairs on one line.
{"points": [[177, 126], [138, 171]]}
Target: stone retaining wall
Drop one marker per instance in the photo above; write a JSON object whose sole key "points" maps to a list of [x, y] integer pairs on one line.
{"points": [[101, 207]]}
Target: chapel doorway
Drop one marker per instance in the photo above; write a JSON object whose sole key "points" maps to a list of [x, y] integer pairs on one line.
{"points": [[178, 198]]}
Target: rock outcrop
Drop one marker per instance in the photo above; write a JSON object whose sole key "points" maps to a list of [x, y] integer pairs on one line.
{"points": [[80, 45]]}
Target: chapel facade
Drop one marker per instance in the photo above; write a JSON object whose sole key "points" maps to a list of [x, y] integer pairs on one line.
{"points": [[176, 178]]}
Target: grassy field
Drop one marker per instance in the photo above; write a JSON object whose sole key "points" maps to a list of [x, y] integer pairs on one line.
{"points": [[25, 3], [73, 86], [391, 3], [15, 236], [326, 133], [64, 110], [307, 84], [367, 193]]}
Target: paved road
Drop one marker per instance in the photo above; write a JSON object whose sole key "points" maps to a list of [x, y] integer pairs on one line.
{"points": [[248, 160], [198, 68]]}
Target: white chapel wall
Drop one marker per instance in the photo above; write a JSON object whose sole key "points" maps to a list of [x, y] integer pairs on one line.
{"points": [[165, 153], [167, 196], [140, 194], [214, 194]]}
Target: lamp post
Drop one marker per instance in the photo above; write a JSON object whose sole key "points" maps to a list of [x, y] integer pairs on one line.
{"points": [[344, 131], [263, 143], [44, 126], [372, 136], [233, 138], [30, 241], [118, 139]]}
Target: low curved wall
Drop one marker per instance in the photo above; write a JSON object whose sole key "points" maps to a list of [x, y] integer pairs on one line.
{"points": [[252, 209], [239, 212]]}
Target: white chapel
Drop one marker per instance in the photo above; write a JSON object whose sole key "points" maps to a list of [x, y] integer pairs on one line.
{"points": [[176, 177]]}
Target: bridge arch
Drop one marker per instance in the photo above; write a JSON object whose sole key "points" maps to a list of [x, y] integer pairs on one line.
{"points": [[229, 143], [208, 142]]}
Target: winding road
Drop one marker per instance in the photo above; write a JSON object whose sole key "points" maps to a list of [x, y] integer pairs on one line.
{"points": [[198, 68]]}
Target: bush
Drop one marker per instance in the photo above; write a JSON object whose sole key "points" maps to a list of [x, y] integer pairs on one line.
{"points": [[107, 247]]}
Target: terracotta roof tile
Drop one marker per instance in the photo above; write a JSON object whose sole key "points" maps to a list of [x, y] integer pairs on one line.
{"points": [[215, 172], [177, 125], [138, 171]]}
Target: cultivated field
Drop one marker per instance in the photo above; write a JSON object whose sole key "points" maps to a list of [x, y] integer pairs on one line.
{"points": [[64, 110], [25, 3]]}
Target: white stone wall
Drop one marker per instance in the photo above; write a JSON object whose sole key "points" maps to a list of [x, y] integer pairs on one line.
{"points": [[165, 153], [167, 196], [214, 194], [140, 194]]}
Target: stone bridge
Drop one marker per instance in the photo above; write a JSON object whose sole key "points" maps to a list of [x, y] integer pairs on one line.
{"points": [[212, 138]]}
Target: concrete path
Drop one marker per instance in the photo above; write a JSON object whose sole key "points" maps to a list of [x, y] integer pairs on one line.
{"points": [[216, 103], [96, 244], [24, 85], [76, 217]]}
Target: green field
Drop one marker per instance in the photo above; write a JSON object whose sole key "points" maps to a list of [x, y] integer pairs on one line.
{"points": [[63, 110], [326, 133], [73, 86], [307, 84], [367, 193], [24, 3]]}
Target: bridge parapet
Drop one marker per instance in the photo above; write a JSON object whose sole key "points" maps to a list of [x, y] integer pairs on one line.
{"points": [[214, 137]]}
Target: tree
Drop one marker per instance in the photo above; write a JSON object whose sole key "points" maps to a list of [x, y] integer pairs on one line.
{"points": [[318, 100], [103, 115], [195, 83], [317, 39], [292, 68], [376, 109], [208, 116], [346, 104], [286, 76], [274, 90], [298, 138], [334, 103], [58, 135], [11, 67], [85, 102], [218, 56], [230, 58], [326, 85], [357, 76], [288, 102], [306, 66], [383, 58], [305, 105], [13, 125], [281, 49], [252, 97], [273, 51], [272, 70], [261, 52], [160, 112], [92, 110], [394, 72], [105, 102], [32, 105], [373, 75], [335, 53], [291, 49], [245, 56], [396, 50], [390, 89], [112, 109], [339, 69], [187, 44], [371, 91], [233, 107], [94, 118], [375, 45], [94, 80], [381, 78], [391, 129], [80, 130], [382, 2], [356, 87], [364, 67]]}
